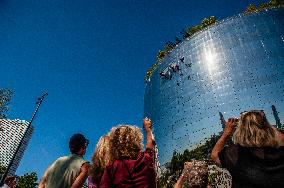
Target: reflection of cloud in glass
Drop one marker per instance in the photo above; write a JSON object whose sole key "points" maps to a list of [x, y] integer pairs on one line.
{"points": [[210, 59]]}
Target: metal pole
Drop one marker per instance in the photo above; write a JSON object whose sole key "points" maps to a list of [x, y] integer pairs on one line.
{"points": [[39, 101]]}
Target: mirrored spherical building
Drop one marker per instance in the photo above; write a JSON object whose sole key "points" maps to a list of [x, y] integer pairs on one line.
{"points": [[232, 66]]}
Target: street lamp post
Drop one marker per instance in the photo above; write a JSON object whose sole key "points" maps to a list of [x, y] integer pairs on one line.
{"points": [[39, 101]]}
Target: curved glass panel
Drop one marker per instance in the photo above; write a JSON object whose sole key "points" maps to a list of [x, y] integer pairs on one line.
{"points": [[235, 65]]}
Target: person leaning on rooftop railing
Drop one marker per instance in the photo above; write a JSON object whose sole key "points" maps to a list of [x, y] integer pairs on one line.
{"points": [[68, 171], [129, 166], [256, 156]]}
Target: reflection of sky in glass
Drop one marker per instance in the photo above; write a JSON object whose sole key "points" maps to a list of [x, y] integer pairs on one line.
{"points": [[235, 66]]}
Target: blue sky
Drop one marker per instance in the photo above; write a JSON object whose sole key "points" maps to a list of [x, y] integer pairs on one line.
{"points": [[91, 56]]}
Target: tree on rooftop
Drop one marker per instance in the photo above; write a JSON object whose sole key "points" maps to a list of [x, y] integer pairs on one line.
{"points": [[5, 98], [178, 40], [276, 3], [212, 20], [169, 46], [263, 6], [184, 34], [161, 54], [205, 22], [250, 9]]}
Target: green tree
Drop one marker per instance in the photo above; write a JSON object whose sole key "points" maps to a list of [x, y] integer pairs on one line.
{"points": [[169, 46], [178, 40], [250, 9], [160, 56], [2, 170], [263, 6], [276, 3], [205, 22], [28, 180], [184, 34], [212, 20], [5, 98]]}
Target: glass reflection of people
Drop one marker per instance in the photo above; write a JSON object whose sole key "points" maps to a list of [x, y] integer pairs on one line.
{"points": [[130, 166], [195, 175], [100, 159], [256, 156]]}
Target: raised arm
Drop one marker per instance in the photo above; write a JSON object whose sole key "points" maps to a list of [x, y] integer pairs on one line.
{"points": [[184, 176], [147, 124], [80, 180], [228, 131]]}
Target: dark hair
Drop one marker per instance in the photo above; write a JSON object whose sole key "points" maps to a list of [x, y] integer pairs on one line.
{"points": [[76, 142]]}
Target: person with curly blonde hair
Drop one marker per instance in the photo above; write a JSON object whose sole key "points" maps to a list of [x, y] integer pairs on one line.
{"points": [[256, 156], [100, 159], [127, 141], [129, 165]]}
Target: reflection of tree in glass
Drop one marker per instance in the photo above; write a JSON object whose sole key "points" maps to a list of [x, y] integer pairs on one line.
{"points": [[173, 169]]}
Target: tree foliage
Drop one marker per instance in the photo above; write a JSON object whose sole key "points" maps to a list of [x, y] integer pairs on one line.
{"points": [[2, 170], [250, 9], [174, 168], [5, 98], [263, 6], [28, 180], [276, 3]]}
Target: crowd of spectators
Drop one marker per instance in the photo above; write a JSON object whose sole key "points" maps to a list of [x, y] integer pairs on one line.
{"points": [[254, 157]]}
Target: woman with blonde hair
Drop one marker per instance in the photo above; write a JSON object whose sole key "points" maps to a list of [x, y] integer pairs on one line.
{"points": [[100, 159], [256, 156], [129, 166]]}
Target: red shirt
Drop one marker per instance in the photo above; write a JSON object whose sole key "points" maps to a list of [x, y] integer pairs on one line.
{"points": [[128, 173]]}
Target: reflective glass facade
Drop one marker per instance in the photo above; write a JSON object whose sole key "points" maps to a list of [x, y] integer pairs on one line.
{"points": [[235, 65]]}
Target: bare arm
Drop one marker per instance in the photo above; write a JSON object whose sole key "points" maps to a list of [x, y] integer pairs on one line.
{"points": [[184, 176], [179, 183], [148, 129], [80, 180], [228, 131]]}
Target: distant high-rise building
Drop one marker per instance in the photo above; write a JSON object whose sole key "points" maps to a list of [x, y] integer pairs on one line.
{"points": [[11, 133]]}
